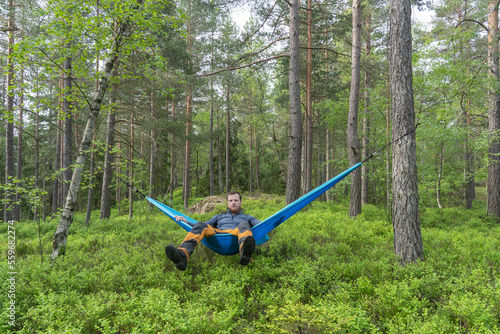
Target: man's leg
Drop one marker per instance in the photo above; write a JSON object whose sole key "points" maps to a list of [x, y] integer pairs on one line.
{"points": [[180, 256], [246, 242]]}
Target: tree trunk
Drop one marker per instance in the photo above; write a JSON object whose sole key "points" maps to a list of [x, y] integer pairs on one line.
{"points": [[470, 192], [61, 234], [68, 124], [440, 173], [365, 174], [131, 167], [172, 158], [388, 196], [405, 210], [91, 185], [9, 119], [211, 142], [109, 155], [493, 181], [295, 145], [256, 154], [19, 172], [228, 139], [37, 149], [152, 154], [352, 122], [187, 162], [250, 179], [308, 143], [219, 152], [328, 158]]}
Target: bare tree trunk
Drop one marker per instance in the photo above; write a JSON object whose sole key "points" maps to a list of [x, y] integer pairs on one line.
{"points": [[250, 179], [172, 157], [37, 149], [131, 166], [68, 124], [440, 173], [61, 234], [470, 192], [405, 210], [354, 151], [308, 143], [228, 140], [328, 158], [256, 154], [91, 185], [57, 165], [211, 143], [388, 151], [219, 152], [17, 207], [187, 162], [109, 155], [295, 145], [9, 119], [152, 154], [365, 174], [119, 172], [493, 181]]}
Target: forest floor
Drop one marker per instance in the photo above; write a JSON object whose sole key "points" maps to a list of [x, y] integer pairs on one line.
{"points": [[321, 272]]}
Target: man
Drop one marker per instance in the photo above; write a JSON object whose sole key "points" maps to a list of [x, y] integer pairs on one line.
{"points": [[232, 222]]}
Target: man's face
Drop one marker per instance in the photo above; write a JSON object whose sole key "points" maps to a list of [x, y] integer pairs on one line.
{"points": [[234, 203]]}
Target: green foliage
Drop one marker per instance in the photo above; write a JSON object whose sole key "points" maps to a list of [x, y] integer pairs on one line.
{"points": [[322, 272]]}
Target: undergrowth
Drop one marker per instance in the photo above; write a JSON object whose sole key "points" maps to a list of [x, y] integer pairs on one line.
{"points": [[321, 272]]}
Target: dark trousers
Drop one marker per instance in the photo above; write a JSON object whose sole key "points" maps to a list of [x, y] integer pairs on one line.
{"points": [[201, 230]]}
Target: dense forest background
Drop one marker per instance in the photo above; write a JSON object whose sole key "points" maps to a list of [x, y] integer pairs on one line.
{"points": [[196, 100]]}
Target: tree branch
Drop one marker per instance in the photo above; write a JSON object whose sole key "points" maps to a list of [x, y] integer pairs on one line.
{"points": [[471, 20], [243, 66]]}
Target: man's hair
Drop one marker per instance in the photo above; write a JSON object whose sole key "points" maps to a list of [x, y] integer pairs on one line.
{"points": [[234, 192]]}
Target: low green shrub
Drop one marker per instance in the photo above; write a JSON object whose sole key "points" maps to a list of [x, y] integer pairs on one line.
{"points": [[321, 272]]}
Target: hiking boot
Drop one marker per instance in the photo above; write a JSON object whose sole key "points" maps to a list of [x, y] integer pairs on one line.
{"points": [[177, 257], [246, 250]]}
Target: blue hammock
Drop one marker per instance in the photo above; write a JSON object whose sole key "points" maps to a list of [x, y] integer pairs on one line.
{"points": [[227, 244]]}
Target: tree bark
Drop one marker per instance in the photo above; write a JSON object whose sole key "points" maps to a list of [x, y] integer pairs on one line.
{"points": [[308, 142], [109, 155], [131, 167], [365, 174], [405, 210], [152, 154], [19, 172], [295, 145], [388, 160], [9, 120], [228, 140], [172, 157], [187, 153], [470, 191], [354, 151], [67, 153], [66, 218], [493, 181], [91, 185]]}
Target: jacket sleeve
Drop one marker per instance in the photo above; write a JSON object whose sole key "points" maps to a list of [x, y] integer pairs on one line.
{"points": [[253, 221], [213, 221]]}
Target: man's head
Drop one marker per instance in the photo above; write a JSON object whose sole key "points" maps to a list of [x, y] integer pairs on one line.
{"points": [[233, 201]]}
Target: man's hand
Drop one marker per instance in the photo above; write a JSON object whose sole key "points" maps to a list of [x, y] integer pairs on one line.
{"points": [[177, 218]]}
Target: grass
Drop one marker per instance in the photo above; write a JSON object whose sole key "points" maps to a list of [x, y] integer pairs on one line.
{"points": [[322, 272]]}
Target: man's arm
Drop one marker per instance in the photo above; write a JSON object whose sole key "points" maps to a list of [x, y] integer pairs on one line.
{"points": [[213, 221], [253, 221]]}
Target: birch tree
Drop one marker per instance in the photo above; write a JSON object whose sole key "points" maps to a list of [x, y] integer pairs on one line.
{"points": [[133, 30]]}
